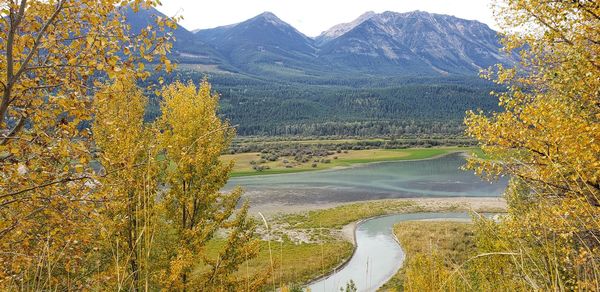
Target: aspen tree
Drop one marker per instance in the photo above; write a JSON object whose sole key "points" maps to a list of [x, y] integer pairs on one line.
{"points": [[193, 138]]}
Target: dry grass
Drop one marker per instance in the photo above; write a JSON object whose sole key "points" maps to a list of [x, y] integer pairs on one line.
{"points": [[453, 241], [293, 263]]}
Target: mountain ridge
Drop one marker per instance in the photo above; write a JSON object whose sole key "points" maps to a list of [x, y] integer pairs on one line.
{"points": [[388, 43], [418, 40], [342, 28]]}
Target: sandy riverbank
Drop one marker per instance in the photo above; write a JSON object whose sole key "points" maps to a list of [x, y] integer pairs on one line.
{"points": [[431, 204]]}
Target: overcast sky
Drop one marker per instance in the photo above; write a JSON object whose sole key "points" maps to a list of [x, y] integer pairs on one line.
{"points": [[311, 17]]}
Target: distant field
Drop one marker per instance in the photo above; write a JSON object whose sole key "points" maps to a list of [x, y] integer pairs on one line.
{"points": [[243, 166]]}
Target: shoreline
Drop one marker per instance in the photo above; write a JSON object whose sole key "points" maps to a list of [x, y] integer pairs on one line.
{"points": [[432, 203], [351, 165]]}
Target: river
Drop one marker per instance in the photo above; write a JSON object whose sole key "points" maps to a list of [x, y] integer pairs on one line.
{"points": [[378, 256]]}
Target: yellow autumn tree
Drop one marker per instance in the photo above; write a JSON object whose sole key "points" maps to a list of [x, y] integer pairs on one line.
{"points": [[127, 151], [548, 140], [54, 55], [193, 138]]}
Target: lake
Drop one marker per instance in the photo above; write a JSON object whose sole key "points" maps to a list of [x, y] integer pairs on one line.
{"points": [[439, 177]]}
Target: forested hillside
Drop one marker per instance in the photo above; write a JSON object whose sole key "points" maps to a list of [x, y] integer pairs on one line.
{"points": [[329, 106]]}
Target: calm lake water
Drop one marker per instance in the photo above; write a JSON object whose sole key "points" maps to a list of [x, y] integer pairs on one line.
{"points": [[440, 177], [378, 256]]}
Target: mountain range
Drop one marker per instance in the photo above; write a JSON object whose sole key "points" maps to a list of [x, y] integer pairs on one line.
{"points": [[412, 43], [383, 74]]}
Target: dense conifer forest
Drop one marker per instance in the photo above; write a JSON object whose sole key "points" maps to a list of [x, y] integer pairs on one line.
{"points": [[351, 106]]}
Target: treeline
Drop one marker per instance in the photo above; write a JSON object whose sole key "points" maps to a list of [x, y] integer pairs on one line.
{"points": [[354, 107], [257, 146], [356, 128]]}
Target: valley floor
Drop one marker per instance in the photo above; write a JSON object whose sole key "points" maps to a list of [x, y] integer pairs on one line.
{"points": [[307, 242], [244, 162]]}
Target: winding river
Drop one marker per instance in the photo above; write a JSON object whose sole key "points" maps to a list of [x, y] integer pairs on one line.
{"points": [[378, 256]]}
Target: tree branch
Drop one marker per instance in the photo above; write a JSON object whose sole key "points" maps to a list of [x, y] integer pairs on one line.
{"points": [[38, 39], [69, 179], [10, 75], [14, 21], [14, 131]]}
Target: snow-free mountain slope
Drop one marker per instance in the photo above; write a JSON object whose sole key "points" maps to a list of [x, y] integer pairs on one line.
{"points": [[264, 40], [420, 41], [384, 44]]}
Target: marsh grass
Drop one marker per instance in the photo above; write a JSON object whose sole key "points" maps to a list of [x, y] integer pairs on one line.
{"points": [[444, 243], [342, 215], [296, 263]]}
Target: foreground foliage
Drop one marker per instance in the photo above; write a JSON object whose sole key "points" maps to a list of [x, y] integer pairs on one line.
{"points": [[91, 197], [547, 141], [194, 138], [54, 56]]}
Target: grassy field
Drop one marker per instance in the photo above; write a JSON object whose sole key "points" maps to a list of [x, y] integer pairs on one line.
{"points": [[452, 241], [244, 168], [293, 263]]}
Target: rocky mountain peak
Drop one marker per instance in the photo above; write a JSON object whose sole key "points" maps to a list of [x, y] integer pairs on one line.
{"points": [[343, 28], [269, 17]]}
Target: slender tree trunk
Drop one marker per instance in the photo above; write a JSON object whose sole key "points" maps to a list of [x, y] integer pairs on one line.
{"points": [[132, 237], [184, 226]]}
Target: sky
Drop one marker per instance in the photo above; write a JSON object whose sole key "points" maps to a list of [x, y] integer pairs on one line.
{"points": [[312, 17]]}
